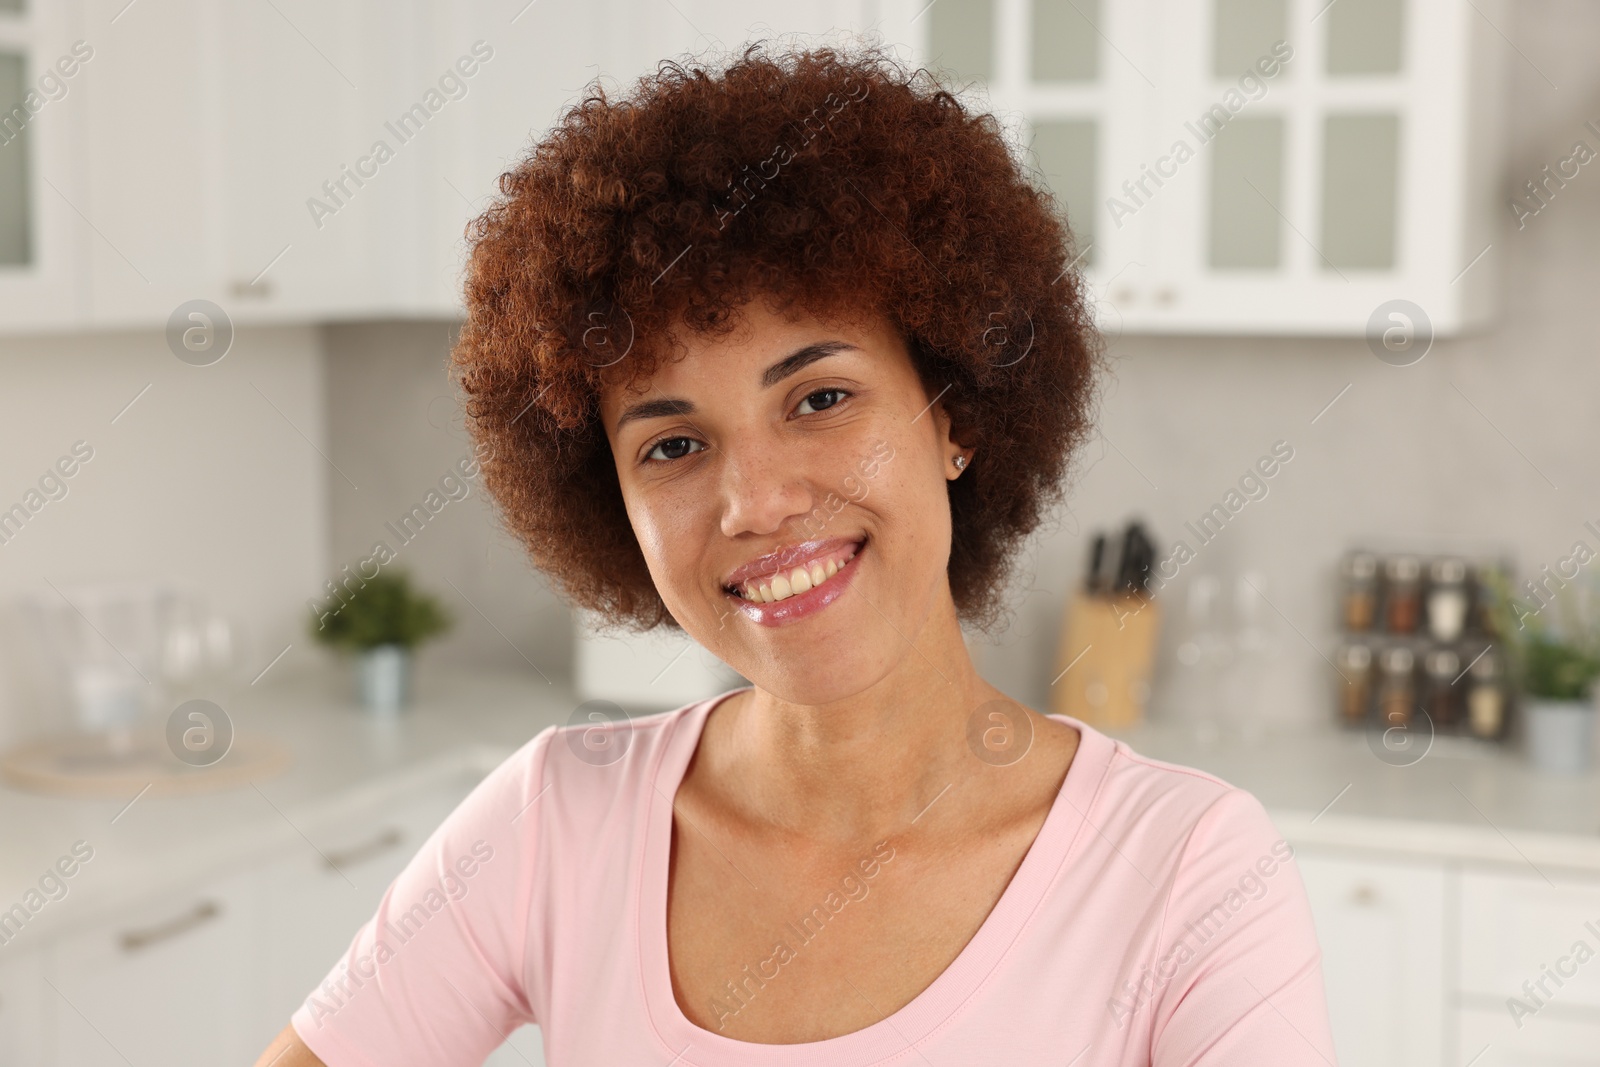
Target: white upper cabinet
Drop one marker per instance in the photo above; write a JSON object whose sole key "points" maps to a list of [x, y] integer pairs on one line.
{"points": [[508, 70], [310, 205], [534, 61], [153, 190], [1251, 166], [1228, 166]]}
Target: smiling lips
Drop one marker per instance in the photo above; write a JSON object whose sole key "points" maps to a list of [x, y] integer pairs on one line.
{"points": [[791, 581], [795, 582]]}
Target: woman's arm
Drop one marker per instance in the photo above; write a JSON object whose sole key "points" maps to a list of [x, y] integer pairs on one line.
{"points": [[435, 978], [1240, 980], [287, 1050]]}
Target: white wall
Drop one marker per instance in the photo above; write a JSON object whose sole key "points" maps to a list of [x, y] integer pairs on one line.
{"points": [[394, 426], [213, 475]]}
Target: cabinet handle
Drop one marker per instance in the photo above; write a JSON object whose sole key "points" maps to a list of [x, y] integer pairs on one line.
{"points": [[336, 861], [134, 940], [244, 290]]}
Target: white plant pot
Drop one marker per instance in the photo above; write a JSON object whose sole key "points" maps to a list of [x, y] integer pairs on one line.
{"points": [[383, 678], [1559, 734]]}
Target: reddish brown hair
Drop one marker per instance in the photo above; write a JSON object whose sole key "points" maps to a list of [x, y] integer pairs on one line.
{"points": [[837, 182]]}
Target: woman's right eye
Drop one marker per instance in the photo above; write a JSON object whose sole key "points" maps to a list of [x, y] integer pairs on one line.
{"points": [[676, 447]]}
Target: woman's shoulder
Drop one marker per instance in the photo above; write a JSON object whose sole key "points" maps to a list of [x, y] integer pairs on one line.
{"points": [[1171, 808]]}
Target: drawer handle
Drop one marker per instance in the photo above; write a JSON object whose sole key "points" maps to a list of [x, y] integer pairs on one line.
{"points": [[337, 861], [1363, 896], [203, 912]]}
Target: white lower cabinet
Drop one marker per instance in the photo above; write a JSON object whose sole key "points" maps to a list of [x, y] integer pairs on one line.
{"points": [[1382, 926], [167, 982], [1530, 968], [210, 973], [313, 902], [1489, 1038], [22, 1007], [314, 899], [1534, 940]]}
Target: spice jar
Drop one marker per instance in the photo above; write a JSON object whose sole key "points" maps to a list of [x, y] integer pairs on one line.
{"points": [[1485, 579], [1397, 690], [1442, 666], [1402, 594], [1447, 599], [1355, 688], [1359, 595], [1486, 697]]}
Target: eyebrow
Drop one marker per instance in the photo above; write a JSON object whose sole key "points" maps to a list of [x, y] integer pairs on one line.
{"points": [[793, 363]]}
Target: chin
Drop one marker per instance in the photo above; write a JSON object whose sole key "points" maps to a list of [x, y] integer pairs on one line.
{"points": [[815, 666], [826, 677]]}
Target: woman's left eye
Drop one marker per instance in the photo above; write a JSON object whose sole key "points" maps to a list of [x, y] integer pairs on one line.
{"points": [[833, 395]]}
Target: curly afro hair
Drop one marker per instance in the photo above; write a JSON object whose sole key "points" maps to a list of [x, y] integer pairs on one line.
{"points": [[823, 179]]}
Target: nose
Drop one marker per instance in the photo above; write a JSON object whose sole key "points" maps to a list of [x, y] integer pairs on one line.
{"points": [[763, 486]]}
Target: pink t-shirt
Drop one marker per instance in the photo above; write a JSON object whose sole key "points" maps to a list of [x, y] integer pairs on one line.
{"points": [[1157, 919]]}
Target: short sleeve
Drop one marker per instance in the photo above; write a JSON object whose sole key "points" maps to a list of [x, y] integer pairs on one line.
{"points": [[436, 977], [1239, 975]]}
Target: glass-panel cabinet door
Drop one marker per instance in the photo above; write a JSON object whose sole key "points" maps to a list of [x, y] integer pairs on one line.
{"points": [[1073, 82], [1306, 122], [16, 193], [1248, 166], [1360, 189], [41, 107], [1244, 225]]}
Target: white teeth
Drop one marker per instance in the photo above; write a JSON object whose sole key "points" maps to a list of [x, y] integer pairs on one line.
{"points": [[801, 579]]}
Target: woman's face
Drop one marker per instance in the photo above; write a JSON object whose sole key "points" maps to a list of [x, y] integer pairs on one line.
{"points": [[787, 484]]}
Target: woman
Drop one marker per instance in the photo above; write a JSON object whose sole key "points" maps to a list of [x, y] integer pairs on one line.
{"points": [[790, 356]]}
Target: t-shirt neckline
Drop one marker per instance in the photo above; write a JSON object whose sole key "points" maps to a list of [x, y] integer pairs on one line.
{"points": [[930, 1009]]}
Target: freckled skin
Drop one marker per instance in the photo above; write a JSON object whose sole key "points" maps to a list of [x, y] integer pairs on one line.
{"points": [[762, 471]]}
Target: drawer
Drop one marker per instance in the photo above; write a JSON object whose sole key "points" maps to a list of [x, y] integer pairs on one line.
{"points": [[1543, 1040], [1381, 927], [23, 1008], [1518, 929]]}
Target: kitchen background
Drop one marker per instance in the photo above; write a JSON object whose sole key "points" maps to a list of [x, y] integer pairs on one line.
{"points": [[176, 164]]}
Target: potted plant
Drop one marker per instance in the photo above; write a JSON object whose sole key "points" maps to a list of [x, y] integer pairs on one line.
{"points": [[382, 623], [1554, 652]]}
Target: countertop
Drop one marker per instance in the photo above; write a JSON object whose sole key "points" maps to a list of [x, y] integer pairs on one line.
{"points": [[1461, 801], [341, 759]]}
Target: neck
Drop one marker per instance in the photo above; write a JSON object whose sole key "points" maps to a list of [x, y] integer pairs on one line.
{"points": [[862, 766]]}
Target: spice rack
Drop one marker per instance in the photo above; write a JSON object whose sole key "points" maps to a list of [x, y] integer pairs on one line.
{"points": [[1418, 645]]}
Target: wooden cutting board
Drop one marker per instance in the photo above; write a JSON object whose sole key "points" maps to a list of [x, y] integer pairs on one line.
{"points": [[89, 765]]}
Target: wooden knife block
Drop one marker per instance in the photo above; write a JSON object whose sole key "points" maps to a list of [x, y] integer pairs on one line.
{"points": [[1109, 643]]}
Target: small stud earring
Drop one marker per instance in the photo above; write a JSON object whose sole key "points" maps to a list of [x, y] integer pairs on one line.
{"points": [[961, 463]]}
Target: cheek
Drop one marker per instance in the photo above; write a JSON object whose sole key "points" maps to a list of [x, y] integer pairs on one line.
{"points": [[670, 535], [913, 502]]}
